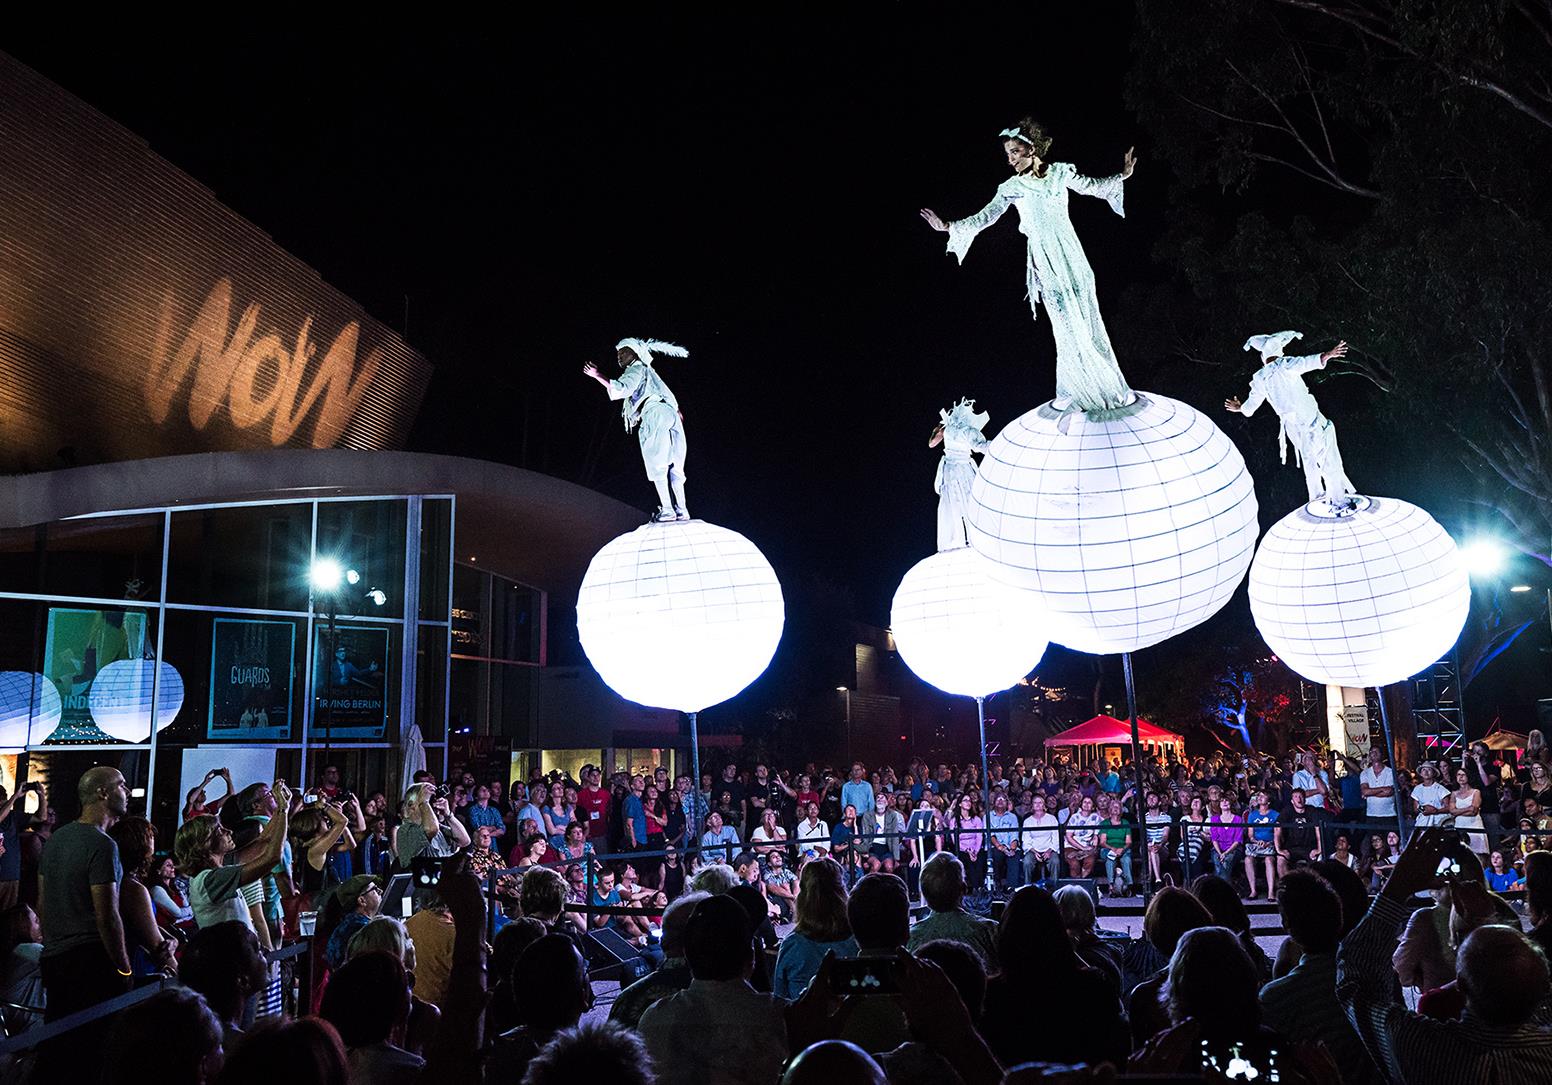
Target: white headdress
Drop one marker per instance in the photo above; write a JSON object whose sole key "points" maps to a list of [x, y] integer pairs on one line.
{"points": [[644, 348], [1015, 133], [1271, 346], [963, 414]]}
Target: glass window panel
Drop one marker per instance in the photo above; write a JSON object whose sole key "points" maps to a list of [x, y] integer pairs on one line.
{"points": [[243, 678], [356, 699], [569, 762], [112, 558], [514, 621], [513, 691], [99, 660], [252, 556], [469, 611], [470, 689], [436, 529], [59, 770], [431, 683], [367, 536]]}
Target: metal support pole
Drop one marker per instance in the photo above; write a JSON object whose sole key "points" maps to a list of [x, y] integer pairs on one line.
{"points": [[695, 785], [1390, 750], [1140, 869], [986, 797]]}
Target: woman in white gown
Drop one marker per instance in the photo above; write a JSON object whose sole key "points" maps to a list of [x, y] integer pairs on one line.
{"points": [[1056, 269], [959, 431]]}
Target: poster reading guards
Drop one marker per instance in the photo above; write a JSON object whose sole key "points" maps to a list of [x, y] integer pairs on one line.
{"points": [[349, 688], [251, 674]]}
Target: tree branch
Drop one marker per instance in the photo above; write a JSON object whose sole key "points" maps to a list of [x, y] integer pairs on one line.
{"points": [[1336, 180]]}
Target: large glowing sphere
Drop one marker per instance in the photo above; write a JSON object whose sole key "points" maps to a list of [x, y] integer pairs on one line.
{"points": [[1131, 524], [962, 631], [1359, 597], [28, 703], [680, 615], [120, 698]]}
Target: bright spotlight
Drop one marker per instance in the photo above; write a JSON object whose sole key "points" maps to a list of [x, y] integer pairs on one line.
{"points": [[1520, 588], [377, 596], [326, 575], [352, 577], [1483, 557]]}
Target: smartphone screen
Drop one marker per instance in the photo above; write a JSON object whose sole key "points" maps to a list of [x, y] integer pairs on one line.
{"points": [[1241, 1061], [406, 905], [864, 976]]}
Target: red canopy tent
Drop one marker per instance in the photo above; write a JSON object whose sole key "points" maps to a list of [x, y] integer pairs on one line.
{"points": [[1090, 738]]}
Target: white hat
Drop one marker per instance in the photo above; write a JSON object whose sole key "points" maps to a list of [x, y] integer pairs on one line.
{"points": [[1271, 346], [644, 348]]}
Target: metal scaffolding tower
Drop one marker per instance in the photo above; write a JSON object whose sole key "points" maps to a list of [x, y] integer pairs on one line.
{"points": [[1438, 709]]}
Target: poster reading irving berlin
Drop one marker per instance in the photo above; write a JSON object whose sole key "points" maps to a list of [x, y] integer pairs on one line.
{"points": [[251, 674], [76, 646], [350, 698]]}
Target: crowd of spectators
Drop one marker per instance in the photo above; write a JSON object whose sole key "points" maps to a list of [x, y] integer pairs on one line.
{"points": [[795, 936]]}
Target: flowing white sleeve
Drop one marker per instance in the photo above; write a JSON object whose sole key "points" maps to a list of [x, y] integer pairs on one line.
{"points": [[1304, 363], [963, 231], [627, 384], [1257, 397], [1106, 188]]}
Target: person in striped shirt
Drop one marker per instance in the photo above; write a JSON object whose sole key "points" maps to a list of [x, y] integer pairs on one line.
{"points": [[1503, 974]]}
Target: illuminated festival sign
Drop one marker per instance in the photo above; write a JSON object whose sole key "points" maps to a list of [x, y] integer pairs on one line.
{"points": [[139, 316]]}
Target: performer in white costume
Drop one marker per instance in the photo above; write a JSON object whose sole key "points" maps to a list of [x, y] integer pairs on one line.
{"points": [[1280, 382], [652, 411], [959, 431], [1056, 269]]}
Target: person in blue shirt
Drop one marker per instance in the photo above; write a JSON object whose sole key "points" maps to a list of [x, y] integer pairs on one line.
{"points": [[481, 814], [1262, 843], [634, 816], [857, 791], [719, 843], [1109, 779]]}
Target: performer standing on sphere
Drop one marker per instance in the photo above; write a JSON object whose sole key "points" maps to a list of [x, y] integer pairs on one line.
{"points": [[1280, 382], [652, 411], [960, 434], [1056, 269]]}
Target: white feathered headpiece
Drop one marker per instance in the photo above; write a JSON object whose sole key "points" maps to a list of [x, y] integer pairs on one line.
{"points": [[963, 414], [1271, 346], [644, 348]]}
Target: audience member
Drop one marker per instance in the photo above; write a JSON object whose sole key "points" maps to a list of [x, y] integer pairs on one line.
{"points": [[671, 976], [545, 1006], [822, 928], [879, 910], [943, 888], [223, 962], [1171, 914], [597, 1052], [368, 1002], [186, 1035], [305, 1052], [1077, 909]]}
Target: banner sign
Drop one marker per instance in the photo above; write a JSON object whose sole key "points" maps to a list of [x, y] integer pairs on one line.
{"points": [[251, 675], [76, 646], [350, 668]]}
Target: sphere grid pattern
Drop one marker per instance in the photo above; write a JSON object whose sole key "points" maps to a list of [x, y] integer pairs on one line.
{"points": [[28, 703], [961, 631], [1132, 525], [1365, 599], [120, 698], [680, 615]]}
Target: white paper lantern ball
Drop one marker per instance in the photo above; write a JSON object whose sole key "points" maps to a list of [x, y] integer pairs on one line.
{"points": [[1359, 598], [1132, 524], [120, 698], [960, 630], [28, 703], [681, 615]]}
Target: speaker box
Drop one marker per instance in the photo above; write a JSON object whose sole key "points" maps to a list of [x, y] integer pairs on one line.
{"points": [[608, 951], [1088, 885]]}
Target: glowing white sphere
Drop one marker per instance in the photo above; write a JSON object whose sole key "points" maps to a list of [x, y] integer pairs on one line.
{"points": [[1362, 598], [27, 702], [962, 631], [1132, 525], [120, 698], [680, 615]]}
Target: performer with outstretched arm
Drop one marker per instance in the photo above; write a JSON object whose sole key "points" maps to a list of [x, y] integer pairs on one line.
{"points": [[651, 410], [1280, 382], [1056, 269], [959, 432]]}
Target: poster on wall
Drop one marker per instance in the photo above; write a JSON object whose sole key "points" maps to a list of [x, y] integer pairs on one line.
{"points": [[251, 675], [77, 645], [350, 689]]}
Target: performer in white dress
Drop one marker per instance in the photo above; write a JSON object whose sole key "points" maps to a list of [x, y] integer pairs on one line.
{"points": [[961, 437], [651, 410], [1280, 382], [1056, 269]]}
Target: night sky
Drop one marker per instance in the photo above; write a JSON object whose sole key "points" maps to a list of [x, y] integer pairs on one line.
{"points": [[517, 200]]}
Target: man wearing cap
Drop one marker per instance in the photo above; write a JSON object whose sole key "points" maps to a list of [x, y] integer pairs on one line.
{"points": [[1280, 382]]}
